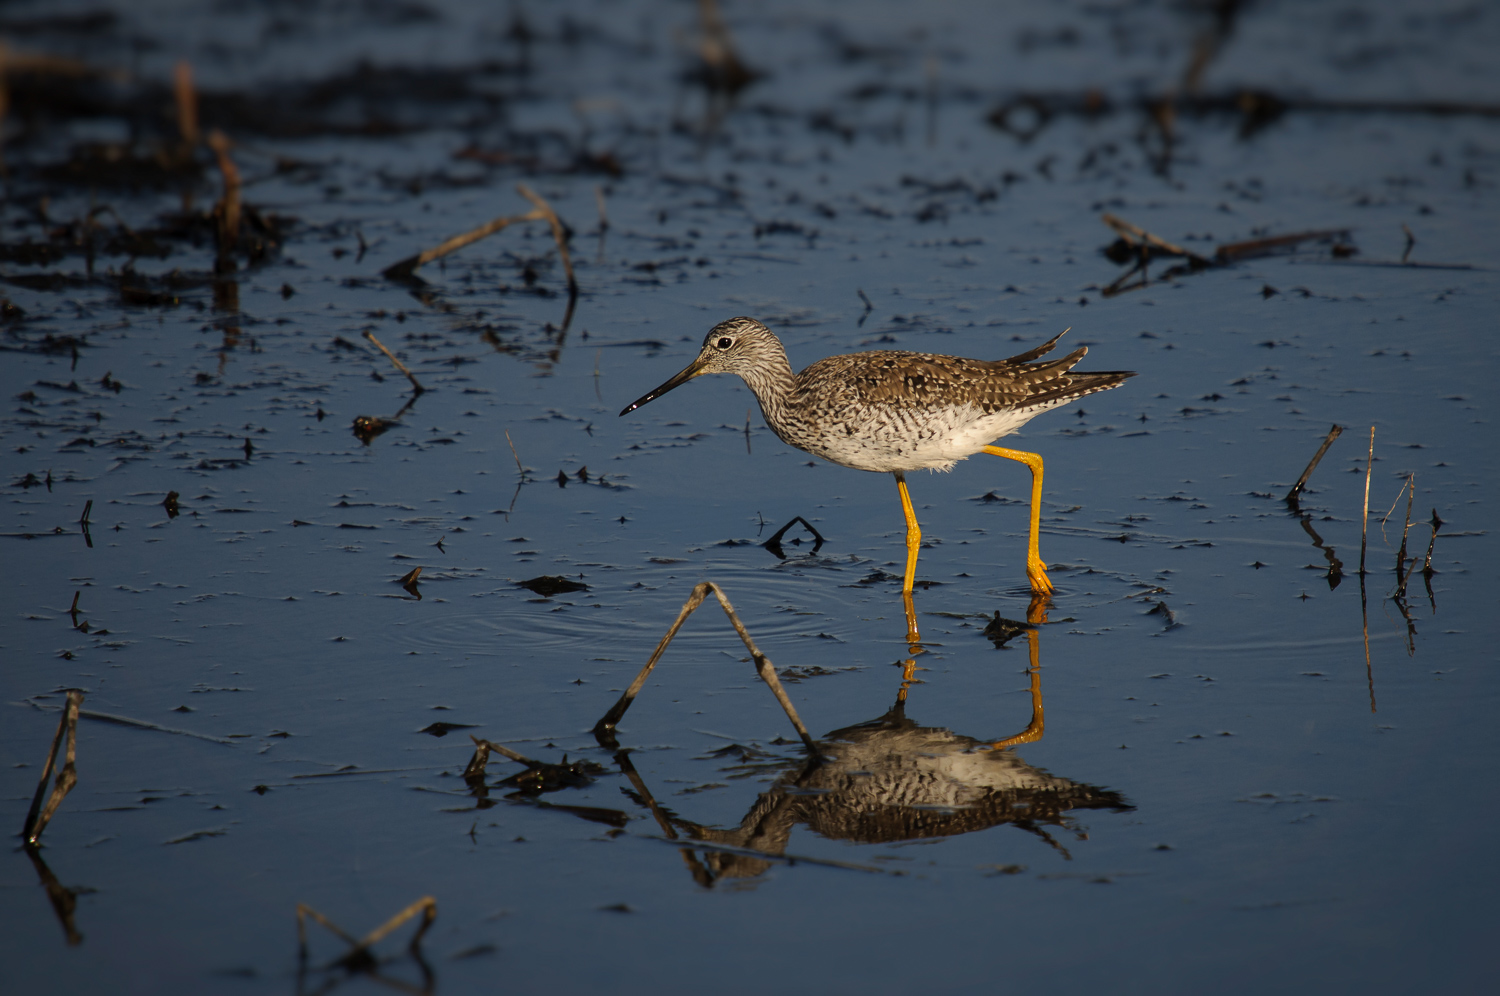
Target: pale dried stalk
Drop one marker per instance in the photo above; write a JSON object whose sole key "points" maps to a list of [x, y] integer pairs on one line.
{"points": [[763, 665]]}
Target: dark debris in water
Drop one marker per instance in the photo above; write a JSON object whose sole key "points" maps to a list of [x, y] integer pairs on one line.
{"points": [[550, 584], [1001, 631], [540, 777], [441, 729]]}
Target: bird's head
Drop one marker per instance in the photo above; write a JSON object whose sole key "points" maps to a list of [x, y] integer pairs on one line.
{"points": [[738, 346]]}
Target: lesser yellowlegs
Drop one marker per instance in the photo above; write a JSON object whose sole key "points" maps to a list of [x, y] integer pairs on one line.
{"points": [[888, 410]]}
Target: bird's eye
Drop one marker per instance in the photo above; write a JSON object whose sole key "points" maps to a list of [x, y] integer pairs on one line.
{"points": [[725, 342]]}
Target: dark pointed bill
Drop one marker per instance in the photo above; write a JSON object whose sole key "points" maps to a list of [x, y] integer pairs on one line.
{"points": [[692, 370]]}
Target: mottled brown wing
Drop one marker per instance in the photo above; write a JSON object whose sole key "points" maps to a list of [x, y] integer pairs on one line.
{"points": [[892, 378]]}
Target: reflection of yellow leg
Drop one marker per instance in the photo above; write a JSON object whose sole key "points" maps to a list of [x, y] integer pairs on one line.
{"points": [[1035, 569], [908, 675], [1036, 615], [913, 542]]}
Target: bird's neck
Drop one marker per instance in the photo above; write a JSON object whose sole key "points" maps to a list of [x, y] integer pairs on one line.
{"points": [[772, 382]]}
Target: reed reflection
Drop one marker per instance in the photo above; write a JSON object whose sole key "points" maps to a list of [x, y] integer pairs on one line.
{"points": [[884, 781]]}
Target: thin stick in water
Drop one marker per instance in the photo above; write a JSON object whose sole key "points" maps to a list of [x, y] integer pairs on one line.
{"points": [[559, 234], [513, 453], [1401, 574], [38, 816], [481, 757], [767, 671], [1334, 433], [1137, 234], [1437, 524], [187, 106], [228, 208], [416, 385], [406, 268], [1364, 518]]}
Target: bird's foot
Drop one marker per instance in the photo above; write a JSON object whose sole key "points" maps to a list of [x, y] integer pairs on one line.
{"points": [[1037, 572]]}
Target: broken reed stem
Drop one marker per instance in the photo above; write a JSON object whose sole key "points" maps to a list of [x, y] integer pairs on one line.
{"points": [[83, 520], [1364, 519], [481, 757], [1391, 511], [1437, 524], [38, 816], [405, 269], [228, 208], [408, 266], [1135, 233], [763, 667], [1334, 433], [427, 906], [416, 385], [187, 106], [1232, 251], [1401, 574], [519, 468], [559, 233]]}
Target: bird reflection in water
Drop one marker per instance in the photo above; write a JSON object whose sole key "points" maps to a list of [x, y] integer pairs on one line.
{"points": [[885, 781]]}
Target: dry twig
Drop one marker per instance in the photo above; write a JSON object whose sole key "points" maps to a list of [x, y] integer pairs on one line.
{"points": [[519, 468], [481, 758], [1364, 518], [1401, 573], [38, 816], [416, 385], [1437, 524], [1334, 433], [187, 107], [228, 208], [1233, 252], [541, 211], [1136, 235], [763, 666]]}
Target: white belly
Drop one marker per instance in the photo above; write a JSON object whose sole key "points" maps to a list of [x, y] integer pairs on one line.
{"points": [[912, 440]]}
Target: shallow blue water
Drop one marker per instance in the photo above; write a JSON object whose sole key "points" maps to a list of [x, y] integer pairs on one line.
{"points": [[1294, 814]]}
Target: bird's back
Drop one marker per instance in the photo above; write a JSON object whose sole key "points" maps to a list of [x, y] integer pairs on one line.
{"points": [[890, 410]]}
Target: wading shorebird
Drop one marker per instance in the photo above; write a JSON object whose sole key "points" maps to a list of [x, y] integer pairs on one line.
{"points": [[894, 411]]}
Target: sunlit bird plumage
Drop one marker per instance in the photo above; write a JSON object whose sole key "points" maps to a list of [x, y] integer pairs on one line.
{"points": [[895, 411]]}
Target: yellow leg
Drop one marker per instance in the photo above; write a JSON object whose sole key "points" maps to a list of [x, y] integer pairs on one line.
{"points": [[913, 638], [913, 543], [1035, 569]]}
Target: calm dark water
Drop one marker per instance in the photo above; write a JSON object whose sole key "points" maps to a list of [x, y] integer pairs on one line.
{"points": [[1228, 793]]}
